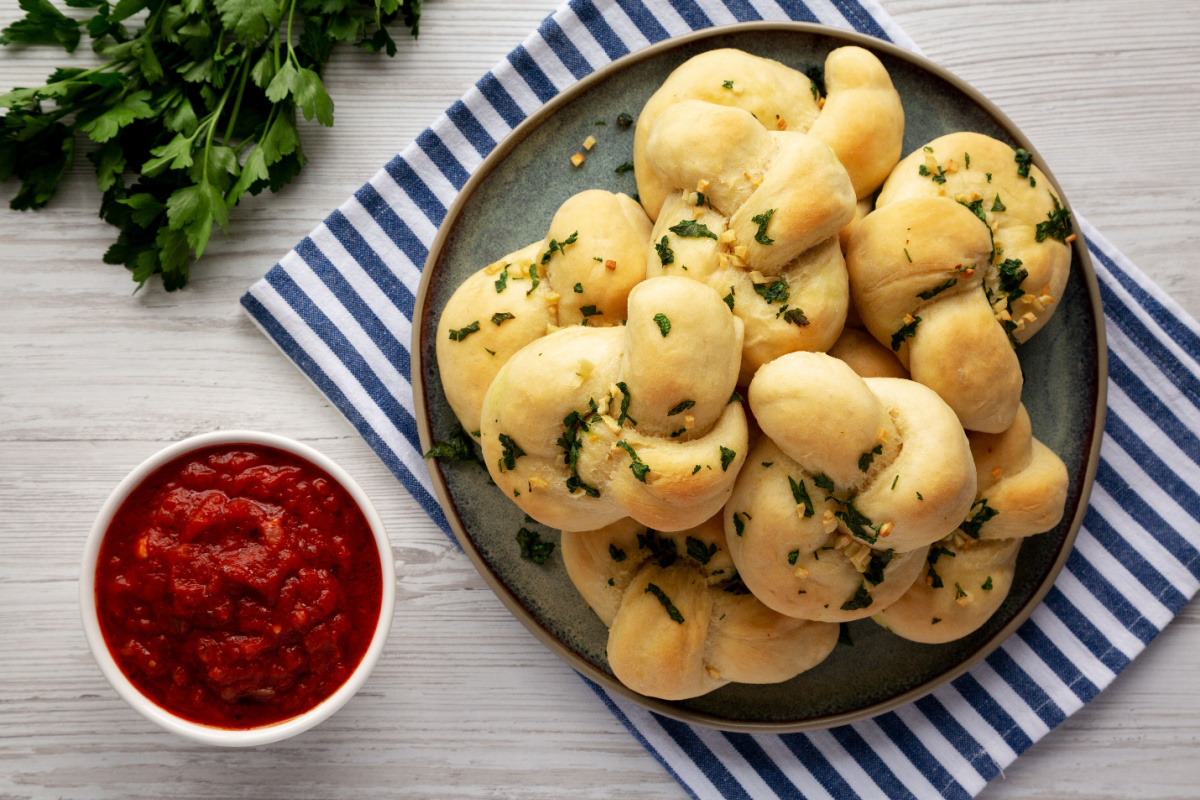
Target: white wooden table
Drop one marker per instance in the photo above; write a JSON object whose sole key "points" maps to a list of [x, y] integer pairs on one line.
{"points": [[465, 703]]}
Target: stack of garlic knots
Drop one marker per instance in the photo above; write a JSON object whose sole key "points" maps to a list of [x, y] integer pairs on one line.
{"points": [[680, 623], [881, 464], [589, 425], [748, 203]]}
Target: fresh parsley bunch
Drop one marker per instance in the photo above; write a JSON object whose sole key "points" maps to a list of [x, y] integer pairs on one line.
{"points": [[198, 106]]}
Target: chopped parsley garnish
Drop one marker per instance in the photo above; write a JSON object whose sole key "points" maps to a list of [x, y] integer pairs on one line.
{"points": [[936, 620], [490, 351], [511, 452], [989, 176], [967, 159], [638, 467], [727, 85], [906, 331], [463, 333], [665, 254], [777, 291], [502, 281], [865, 460], [702, 200], [624, 121], [697, 469], [937, 551], [727, 298], [560, 247], [976, 207], [735, 586], [927, 149], [672, 611], [1011, 276], [816, 77], [739, 527], [936, 177], [987, 585], [662, 550], [625, 400], [796, 317], [876, 566], [610, 582], [1057, 224], [767, 463], [664, 324], [500, 317], [727, 457], [683, 406], [578, 288], [919, 496], [697, 550], [678, 433], [997, 205], [823, 482], [858, 522], [800, 495], [456, 448], [861, 599], [971, 527], [572, 443], [1024, 160], [761, 221], [735, 398], [935, 580], [590, 311], [935, 291], [792, 556], [844, 634], [532, 546], [617, 553], [958, 592], [533, 276], [906, 255], [692, 229], [626, 167]]}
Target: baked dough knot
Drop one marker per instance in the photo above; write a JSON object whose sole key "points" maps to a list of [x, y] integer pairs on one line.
{"points": [[964, 258], [755, 215], [1022, 491], [853, 479], [680, 622], [589, 425], [860, 117], [582, 271]]}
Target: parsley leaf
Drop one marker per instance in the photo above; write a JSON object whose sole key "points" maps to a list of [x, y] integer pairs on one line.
{"points": [[532, 546], [626, 167], [971, 527], [1024, 160], [672, 611], [997, 205], [510, 453], [778, 291], [692, 229], [727, 298], [698, 551], [727, 457], [865, 460], [664, 324], [907, 331], [625, 401], [463, 333], [941, 287], [683, 405], [800, 495], [1057, 224], [877, 565], [617, 553], [502, 281], [457, 448], [638, 467], [761, 221], [665, 254], [796, 317], [860, 599]]}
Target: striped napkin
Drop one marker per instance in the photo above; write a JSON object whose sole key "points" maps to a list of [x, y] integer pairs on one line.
{"points": [[340, 305]]}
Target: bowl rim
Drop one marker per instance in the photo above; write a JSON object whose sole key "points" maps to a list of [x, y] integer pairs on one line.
{"points": [[207, 734], [546, 637]]}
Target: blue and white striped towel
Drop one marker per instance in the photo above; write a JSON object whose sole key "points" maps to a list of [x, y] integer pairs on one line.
{"points": [[340, 305]]}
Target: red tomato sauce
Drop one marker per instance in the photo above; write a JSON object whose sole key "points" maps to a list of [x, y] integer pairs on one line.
{"points": [[238, 586]]}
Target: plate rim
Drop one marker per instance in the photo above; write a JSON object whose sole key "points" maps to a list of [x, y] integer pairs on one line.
{"points": [[501, 590]]}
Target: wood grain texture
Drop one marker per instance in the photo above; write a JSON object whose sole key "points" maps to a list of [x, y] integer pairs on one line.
{"points": [[465, 703]]}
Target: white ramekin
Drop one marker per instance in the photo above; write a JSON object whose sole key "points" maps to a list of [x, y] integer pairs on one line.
{"points": [[205, 733]]}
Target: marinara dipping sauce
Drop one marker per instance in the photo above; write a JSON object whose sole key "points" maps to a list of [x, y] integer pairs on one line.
{"points": [[238, 586]]}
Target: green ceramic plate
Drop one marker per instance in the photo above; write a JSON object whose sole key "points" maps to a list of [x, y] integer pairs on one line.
{"points": [[509, 201]]}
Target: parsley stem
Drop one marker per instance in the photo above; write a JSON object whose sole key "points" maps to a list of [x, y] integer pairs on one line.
{"points": [[291, 50], [237, 104]]}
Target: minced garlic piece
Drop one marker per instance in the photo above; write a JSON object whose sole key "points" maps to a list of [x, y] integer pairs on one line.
{"points": [[701, 185], [577, 159], [610, 264], [713, 673], [589, 143], [830, 521], [741, 250], [801, 572], [728, 237], [781, 124], [537, 483], [688, 422]]}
